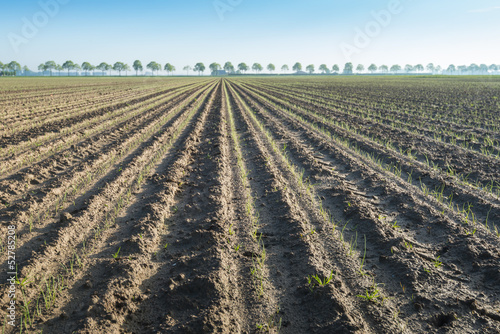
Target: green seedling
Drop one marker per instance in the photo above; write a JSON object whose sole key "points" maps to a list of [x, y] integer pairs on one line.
{"points": [[314, 280], [372, 293], [115, 255], [437, 263]]}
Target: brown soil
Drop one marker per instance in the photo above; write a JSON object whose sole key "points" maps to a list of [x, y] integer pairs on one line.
{"points": [[220, 206]]}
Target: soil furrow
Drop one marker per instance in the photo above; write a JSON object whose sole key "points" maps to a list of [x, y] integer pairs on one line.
{"points": [[365, 216], [286, 221]]}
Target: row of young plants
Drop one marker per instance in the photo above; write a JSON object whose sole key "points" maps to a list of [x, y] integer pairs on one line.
{"points": [[389, 159], [29, 152], [399, 163], [25, 113], [76, 112], [373, 292], [296, 180], [358, 116], [347, 128], [79, 183], [86, 245], [453, 102]]}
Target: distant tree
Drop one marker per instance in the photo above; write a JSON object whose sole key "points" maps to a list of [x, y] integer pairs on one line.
{"points": [[335, 68], [310, 68], [493, 67], [42, 68], [59, 68], [462, 68], [86, 67], [438, 69], [243, 67], [285, 68], [169, 68], [473, 68], [483, 68], [271, 68], [187, 68], [323, 68], [348, 67], [1, 67], [257, 67], [77, 68], [103, 67], [200, 68], [451, 69], [154, 66], [26, 69], [92, 68], [119, 67], [430, 67], [228, 67], [408, 68], [372, 68], [214, 67], [297, 67], [126, 68], [68, 65], [360, 68], [137, 67], [50, 65], [384, 68], [419, 68], [395, 68]]}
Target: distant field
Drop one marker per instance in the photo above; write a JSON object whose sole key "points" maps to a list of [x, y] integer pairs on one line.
{"points": [[291, 205]]}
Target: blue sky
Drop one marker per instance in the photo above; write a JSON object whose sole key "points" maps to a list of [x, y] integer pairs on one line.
{"points": [[282, 32]]}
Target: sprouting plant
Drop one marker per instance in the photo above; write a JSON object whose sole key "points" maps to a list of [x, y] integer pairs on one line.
{"points": [[408, 245], [274, 322], [353, 244], [231, 232], [175, 209], [437, 263], [165, 246], [141, 236], [314, 280], [471, 233], [402, 287], [395, 225], [237, 248], [115, 255], [22, 283], [372, 293]]}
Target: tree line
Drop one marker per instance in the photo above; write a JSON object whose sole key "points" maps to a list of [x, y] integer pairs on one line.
{"points": [[14, 67]]}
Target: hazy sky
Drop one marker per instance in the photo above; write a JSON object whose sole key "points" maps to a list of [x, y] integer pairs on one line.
{"points": [[184, 32]]}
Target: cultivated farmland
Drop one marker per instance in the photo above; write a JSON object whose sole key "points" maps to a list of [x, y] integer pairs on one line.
{"points": [[248, 205]]}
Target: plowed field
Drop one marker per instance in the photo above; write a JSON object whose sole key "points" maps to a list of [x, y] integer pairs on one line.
{"points": [[248, 205]]}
